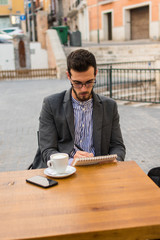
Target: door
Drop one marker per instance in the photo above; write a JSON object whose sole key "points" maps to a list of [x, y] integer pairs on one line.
{"points": [[107, 26], [140, 23], [110, 26], [22, 55]]}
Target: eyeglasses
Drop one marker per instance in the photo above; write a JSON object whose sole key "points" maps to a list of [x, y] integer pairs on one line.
{"points": [[79, 85]]}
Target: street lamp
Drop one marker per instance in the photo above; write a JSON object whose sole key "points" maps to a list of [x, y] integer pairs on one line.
{"points": [[33, 24], [28, 18]]}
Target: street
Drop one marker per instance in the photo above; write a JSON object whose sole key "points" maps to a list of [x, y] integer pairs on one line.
{"points": [[20, 107]]}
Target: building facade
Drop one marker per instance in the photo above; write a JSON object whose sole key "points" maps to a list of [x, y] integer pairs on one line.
{"points": [[12, 13], [97, 20], [76, 13], [125, 19], [118, 20]]}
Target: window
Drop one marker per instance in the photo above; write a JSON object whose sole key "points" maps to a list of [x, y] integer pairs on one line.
{"points": [[3, 2]]}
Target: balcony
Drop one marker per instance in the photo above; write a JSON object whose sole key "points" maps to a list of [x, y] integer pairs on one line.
{"points": [[75, 7], [72, 12]]}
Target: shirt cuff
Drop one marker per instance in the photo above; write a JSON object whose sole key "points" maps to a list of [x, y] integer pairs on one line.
{"points": [[70, 161]]}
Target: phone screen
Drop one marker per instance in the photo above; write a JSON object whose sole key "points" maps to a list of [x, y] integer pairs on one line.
{"points": [[42, 181]]}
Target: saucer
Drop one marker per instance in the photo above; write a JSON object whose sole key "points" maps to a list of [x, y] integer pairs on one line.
{"points": [[52, 173]]}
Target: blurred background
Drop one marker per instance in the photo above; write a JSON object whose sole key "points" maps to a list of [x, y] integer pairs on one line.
{"points": [[36, 37]]}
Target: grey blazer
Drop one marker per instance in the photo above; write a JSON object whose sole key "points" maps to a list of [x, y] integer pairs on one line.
{"points": [[56, 127]]}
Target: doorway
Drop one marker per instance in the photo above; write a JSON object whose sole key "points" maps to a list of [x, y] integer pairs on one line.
{"points": [[109, 26], [22, 55], [107, 22]]}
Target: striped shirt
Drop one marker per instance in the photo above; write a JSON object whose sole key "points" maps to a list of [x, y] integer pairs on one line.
{"points": [[83, 123]]}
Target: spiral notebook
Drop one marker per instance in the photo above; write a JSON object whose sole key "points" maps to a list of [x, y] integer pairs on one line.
{"points": [[94, 160]]}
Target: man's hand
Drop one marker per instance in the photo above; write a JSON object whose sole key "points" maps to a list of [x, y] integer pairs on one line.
{"points": [[81, 154]]}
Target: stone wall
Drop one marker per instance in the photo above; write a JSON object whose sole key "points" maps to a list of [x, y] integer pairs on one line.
{"points": [[56, 55], [42, 26]]}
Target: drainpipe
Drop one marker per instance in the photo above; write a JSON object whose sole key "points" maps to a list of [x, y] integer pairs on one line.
{"points": [[98, 41]]}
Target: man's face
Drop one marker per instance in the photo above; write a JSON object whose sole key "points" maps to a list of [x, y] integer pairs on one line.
{"points": [[79, 92]]}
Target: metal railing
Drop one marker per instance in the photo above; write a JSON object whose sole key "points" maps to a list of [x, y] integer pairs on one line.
{"points": [[28, 74], [137, 85], [129, 65]]}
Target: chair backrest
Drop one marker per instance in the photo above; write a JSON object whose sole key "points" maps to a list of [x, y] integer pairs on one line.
{"points": [[38, 159], [154, 174]]}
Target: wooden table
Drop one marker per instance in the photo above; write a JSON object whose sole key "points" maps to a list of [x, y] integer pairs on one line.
{"points": [[109, 201]]}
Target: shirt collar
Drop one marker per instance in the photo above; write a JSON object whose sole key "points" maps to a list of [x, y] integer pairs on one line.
{"points": [[88, 103]]}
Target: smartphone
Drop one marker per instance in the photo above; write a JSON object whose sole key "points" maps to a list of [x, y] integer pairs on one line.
{"points": [[42, 181]]}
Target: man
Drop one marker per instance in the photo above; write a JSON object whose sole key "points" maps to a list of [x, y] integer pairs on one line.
{"points": [[78, 121]]}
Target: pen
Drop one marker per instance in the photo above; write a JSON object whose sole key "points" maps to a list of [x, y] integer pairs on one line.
{"points": [[78, 147]]}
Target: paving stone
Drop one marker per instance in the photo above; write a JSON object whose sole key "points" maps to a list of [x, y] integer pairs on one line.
{"points": [[20, 107]]}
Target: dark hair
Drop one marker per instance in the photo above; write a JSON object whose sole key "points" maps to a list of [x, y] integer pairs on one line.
{"points": [[80, 60]]}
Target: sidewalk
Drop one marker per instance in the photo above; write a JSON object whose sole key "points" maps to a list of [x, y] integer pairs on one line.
{"points": [[117, 43], [20, 107]]}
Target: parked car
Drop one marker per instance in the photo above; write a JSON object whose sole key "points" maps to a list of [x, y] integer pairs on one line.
{"points": [[5, 36], [12, 31], [2, 40]]}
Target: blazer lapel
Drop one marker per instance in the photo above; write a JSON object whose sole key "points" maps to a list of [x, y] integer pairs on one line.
{"points": [[68, 110], [97, 123], [97, 118]]}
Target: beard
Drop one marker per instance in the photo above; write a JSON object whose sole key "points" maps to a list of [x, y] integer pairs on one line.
{"points": [[83, 96]]}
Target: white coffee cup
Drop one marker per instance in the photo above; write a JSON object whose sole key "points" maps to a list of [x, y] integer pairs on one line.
{"points": [[58, 162]]}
